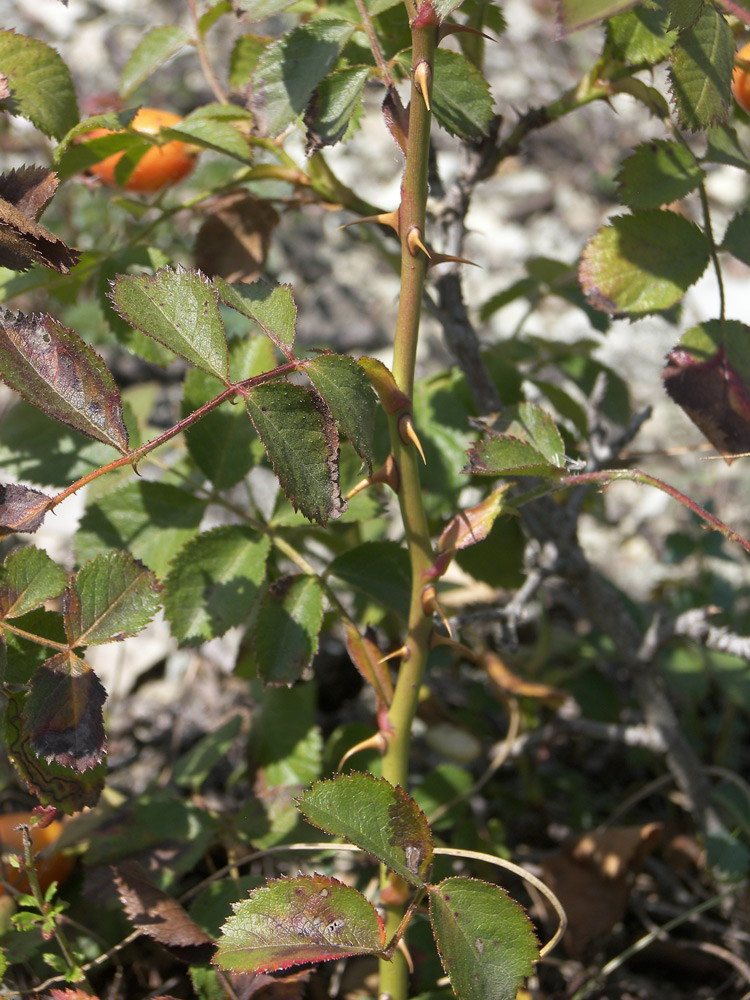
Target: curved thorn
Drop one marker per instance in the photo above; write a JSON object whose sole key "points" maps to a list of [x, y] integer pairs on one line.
{"points": [[446, 258], [403, 652], [431, 606], [409, 435], [383, 219], [386, 475], [453, 29], [414, 242], [437, 639], [423, 80], [377, 742]]}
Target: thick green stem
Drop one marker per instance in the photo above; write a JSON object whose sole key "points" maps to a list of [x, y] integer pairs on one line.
{"points": [[394, 975]]}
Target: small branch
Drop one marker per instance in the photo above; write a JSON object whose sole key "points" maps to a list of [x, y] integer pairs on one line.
{"points": [[206, 66], [374, 43]]}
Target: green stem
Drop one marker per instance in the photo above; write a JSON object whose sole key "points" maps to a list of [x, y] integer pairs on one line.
{"points": [[394, 974]]}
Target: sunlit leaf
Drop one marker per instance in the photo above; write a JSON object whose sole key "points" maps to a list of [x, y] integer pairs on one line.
{"points": [[701, 71], [335, 107], [658, 173], [41, 87], [486, 942], [154, 48], [311, 918], [272, 307], [112, 597], [28, 578], [575, 14], [392, 827], [51, 367]]}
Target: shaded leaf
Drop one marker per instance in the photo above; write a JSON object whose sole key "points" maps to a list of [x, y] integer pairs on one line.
{"points": [[259, 10], [708, 375], [683, 13], [302, 444], [290, 69], [24, 194], [213, 582], [724, 147], [21, 508], [392, 827], [23, 655], [244, 57], [701, 71], [333, 111], [367, 658], [346, 389], [28, 578], [575, 14], [272, 307], [192, 770], [158, 915], [286, 739], [643, 262], [51, 367], [311, 918], [641, 35], [486, 942], [62, 787], [286, 628], [379, 570], [112, 597], [658, 173], [41, 88], [223, 444], [63, 713], [156, 46], [737, 237], [233, 241], [180, 309], [151, 520]]}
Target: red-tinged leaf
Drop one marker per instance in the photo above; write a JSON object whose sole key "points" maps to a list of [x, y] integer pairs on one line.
{"points": [[63, 712], [61, 787], [29, 189], [112, 597], [474, 524], [28, 578], [385, 385], [391, 827], [294, 921], [159, 916], [366, 657], [52, 368], [486, 942], [21, 509], [396, 118], [302, 444], [708, 375], [71, 995]]}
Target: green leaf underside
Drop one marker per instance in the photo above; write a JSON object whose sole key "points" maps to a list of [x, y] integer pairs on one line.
{"points": [[508, 456], [151, 520], [51, 367], [213, 582], [206, 128], [641, 35], [301, 441], [180, 309], [289, 922], [111, 597], [701, 71], [154, 48], [28, 578], [643, 262], [336, 103], [223, 443], [271, 307], [737, 237], [657, 173], [347, 391], [286, 629], [289, 70], [63, 713], [575, 14], [391, 826], [40, 84], [68, 790], [379, 570], [486, 942], [532, 424]]}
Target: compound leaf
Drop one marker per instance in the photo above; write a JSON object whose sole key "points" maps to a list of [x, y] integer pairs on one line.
{"points": [[346, 389], [271, 307], [28, 578]]}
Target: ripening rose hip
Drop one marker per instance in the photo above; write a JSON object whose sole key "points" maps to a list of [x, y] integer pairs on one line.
{"points": [[55, 868], [159, 166], [741, 80]]}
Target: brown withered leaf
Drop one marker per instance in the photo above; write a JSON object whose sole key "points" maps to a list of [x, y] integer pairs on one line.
{"points": [[508, 682], [159, 916], [592, 875], [24, 194], [54, 370], [21, 508], [63, 713], [396, 118], [233, 241], [262, 986]]}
